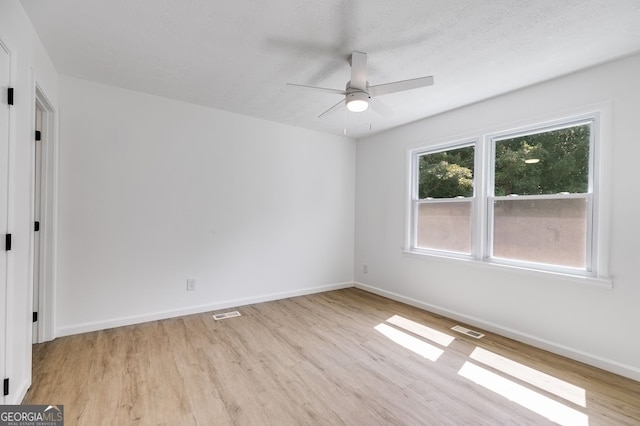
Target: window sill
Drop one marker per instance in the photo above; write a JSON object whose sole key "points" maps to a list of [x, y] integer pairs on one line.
{"points": [[599, 282]]}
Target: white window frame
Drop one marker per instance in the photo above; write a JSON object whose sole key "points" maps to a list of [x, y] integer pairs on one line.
{"points": [[595, 272], [416, 201], [492, 140]]}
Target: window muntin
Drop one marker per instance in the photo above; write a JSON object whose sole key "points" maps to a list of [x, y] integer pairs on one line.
{"points": [[530, 202], [443, 203]]}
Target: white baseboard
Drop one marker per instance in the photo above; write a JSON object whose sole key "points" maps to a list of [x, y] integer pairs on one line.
{"points": [[557, 348], [138, 319]]}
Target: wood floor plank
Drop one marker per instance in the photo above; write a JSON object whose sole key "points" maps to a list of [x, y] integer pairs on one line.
{"points": [[335, 358]]}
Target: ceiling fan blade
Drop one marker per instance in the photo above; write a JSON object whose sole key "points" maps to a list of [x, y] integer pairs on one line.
{"points": [[359, 70], [380, 107], [332, 109], [400, 86], [319, 89]]}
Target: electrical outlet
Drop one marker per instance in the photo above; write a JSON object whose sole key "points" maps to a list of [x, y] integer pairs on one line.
{"points": [[191, 284], [365, 269]]}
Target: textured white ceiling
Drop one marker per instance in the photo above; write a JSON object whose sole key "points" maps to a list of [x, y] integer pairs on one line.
{"points": [[238, 55]]}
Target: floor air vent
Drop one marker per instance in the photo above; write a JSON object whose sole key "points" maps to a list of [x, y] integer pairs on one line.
{"points": [[468, 332], [226, 315]]}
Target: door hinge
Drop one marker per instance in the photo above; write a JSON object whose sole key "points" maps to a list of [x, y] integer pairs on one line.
{"points": [[38, 135], [7, 242], [10, 96], [35, 317], [36, 226], [5, 387]]}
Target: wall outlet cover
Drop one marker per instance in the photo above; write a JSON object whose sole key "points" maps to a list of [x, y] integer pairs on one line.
{"points": [[191, 284]]}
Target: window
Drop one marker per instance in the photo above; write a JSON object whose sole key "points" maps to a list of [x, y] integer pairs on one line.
{"points": [[540, 201], [443, 208], [521, 198]]}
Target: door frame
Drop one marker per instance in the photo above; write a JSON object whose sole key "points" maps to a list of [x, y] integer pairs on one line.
{"points": [[45, 326]]}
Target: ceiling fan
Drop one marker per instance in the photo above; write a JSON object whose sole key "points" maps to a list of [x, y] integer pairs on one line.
{"points": [[358, 95]]}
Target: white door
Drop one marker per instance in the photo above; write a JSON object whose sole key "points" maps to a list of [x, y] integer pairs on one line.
{"points": [[5, 68]]}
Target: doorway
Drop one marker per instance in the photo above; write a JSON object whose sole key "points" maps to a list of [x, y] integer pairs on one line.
{"points": [[43, 217]]}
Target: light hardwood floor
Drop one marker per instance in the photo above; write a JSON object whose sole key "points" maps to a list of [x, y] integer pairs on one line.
{"points": [[341, 357]]}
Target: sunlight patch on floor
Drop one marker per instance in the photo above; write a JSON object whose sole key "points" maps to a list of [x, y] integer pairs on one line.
{"points": [[551, 384], [528, 398], [407, 341], [421, 330]]}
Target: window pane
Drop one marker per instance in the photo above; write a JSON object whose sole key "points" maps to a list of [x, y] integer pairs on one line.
{"points": [[541, 231], [446, 174], [550, 162], [445, 226]]}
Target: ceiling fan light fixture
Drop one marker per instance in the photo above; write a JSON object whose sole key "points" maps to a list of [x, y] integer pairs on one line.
{"points": [[358, 94], [357, 101]]}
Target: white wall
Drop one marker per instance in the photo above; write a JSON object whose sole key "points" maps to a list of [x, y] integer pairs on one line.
{"points": [[154, 191], [592, 324], [30, 66]]}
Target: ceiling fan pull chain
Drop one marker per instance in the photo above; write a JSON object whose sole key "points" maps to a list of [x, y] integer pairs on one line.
{"points": [[345, 123]]}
